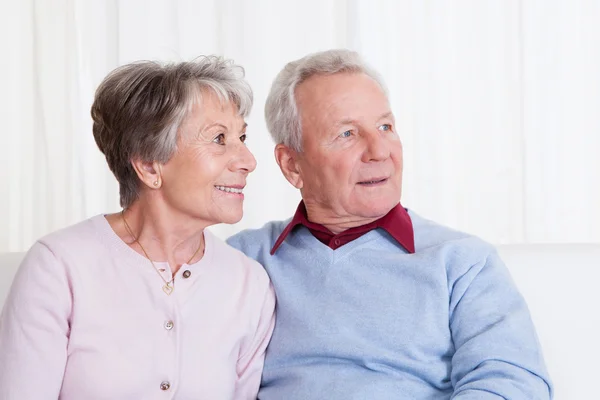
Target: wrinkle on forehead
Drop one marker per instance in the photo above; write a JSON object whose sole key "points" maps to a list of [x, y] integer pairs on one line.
{"points": [[326, 104]]}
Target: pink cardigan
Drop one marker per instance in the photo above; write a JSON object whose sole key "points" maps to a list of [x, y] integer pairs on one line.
{"points": [[86, 318]]}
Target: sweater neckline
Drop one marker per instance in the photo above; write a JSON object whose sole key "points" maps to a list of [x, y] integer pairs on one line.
{"points": [[303, 234], [123, 251]]}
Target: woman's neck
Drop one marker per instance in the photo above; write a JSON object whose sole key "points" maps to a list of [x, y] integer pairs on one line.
{"points": [[160, 234]]}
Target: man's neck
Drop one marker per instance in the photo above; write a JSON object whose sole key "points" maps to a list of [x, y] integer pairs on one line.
{"points": [[335, 222]]}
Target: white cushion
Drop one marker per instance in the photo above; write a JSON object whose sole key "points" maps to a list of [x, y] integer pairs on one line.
{"points": [[560, 285]]}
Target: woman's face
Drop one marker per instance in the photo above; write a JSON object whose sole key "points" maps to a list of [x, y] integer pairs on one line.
{"points": [[206, 176]]}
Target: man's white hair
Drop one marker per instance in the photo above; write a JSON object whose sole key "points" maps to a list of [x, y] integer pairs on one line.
{"points": [[281, 110]]}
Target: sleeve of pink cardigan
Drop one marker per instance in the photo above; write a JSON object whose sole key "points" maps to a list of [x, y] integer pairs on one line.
{"points": [[34, 328], [250, 365]]}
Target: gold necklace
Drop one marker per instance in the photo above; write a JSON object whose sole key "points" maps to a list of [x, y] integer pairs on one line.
{"points": [[168, 286]]}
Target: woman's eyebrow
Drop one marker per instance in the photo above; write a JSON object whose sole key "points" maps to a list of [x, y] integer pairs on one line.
{"points": [[212, 125]]}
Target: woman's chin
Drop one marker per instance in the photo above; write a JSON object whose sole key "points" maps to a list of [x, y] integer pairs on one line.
{"points": [[231, 218]]}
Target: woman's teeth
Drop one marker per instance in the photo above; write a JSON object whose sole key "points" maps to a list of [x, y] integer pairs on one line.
{"points": [[229, 189]]}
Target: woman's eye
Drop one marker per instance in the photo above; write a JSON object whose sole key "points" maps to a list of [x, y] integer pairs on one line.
{"points": [[345, 134], [243, 138], [220, 139], [385, 127]]}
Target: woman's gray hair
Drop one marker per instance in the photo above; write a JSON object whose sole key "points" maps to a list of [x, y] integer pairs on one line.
{"points": [[139, 107], [281, 110]]}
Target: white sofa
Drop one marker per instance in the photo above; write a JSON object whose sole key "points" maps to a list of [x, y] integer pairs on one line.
{"points": [[561, 286]]}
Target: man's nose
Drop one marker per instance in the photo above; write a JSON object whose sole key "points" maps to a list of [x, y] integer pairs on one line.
{"points": [[377, 148]]}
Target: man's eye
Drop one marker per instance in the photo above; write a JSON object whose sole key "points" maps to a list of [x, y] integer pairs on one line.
{"points": [[220, 139], [385, 127], [345, 134], [243, 138]]}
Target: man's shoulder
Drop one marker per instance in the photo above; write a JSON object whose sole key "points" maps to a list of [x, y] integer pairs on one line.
{"points": [[253, 241], [430, 235]]}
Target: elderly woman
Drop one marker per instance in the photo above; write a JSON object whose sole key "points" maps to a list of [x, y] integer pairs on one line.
{"points": [[146, 303]]}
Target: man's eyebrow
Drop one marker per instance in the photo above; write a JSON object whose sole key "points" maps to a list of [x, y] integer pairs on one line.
{"points": [[350, 121], [345, 121], [388, 114]]}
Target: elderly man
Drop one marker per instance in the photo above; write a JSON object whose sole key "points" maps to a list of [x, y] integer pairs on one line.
{"points": [[374, 301]]}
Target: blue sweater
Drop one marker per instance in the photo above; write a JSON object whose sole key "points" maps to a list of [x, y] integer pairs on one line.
{"points": [[371, 321]]}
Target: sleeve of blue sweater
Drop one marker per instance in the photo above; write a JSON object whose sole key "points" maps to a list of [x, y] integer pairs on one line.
{"points": [[497, 351]]}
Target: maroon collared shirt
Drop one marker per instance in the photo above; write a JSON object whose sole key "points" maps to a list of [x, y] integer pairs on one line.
{"points": [[397, 223]]}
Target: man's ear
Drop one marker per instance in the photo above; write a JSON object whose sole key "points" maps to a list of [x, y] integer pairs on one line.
{"points": [[287, 159], [148, 172]]}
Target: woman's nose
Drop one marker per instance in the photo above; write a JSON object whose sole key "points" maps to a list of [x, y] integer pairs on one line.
{"points": [[244, 159]]}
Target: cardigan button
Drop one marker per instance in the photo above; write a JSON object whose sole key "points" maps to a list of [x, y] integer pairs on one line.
{"points": [[165, 385], [187, 273]]}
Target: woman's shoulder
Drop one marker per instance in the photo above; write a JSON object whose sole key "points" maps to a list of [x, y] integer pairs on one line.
{"points": [[81, 237], [64, 249], [228, 256]]}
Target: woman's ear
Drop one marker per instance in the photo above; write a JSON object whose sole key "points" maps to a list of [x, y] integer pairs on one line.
{"points": [[150, 173], [287, 159]]}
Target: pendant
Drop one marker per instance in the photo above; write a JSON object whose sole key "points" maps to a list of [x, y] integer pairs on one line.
{"points": [[168, 289]]}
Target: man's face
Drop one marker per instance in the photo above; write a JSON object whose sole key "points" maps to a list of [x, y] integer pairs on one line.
{"points": [[350, 167]]}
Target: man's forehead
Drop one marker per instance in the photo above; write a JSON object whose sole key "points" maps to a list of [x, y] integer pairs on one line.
{"points": [[351, 120], [334, 89]]}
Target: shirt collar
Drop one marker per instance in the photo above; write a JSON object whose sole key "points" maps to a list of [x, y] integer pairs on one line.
{"points": [[396, 223]]}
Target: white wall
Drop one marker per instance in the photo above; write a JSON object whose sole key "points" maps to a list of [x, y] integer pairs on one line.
{"points": [[497, 103]]}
